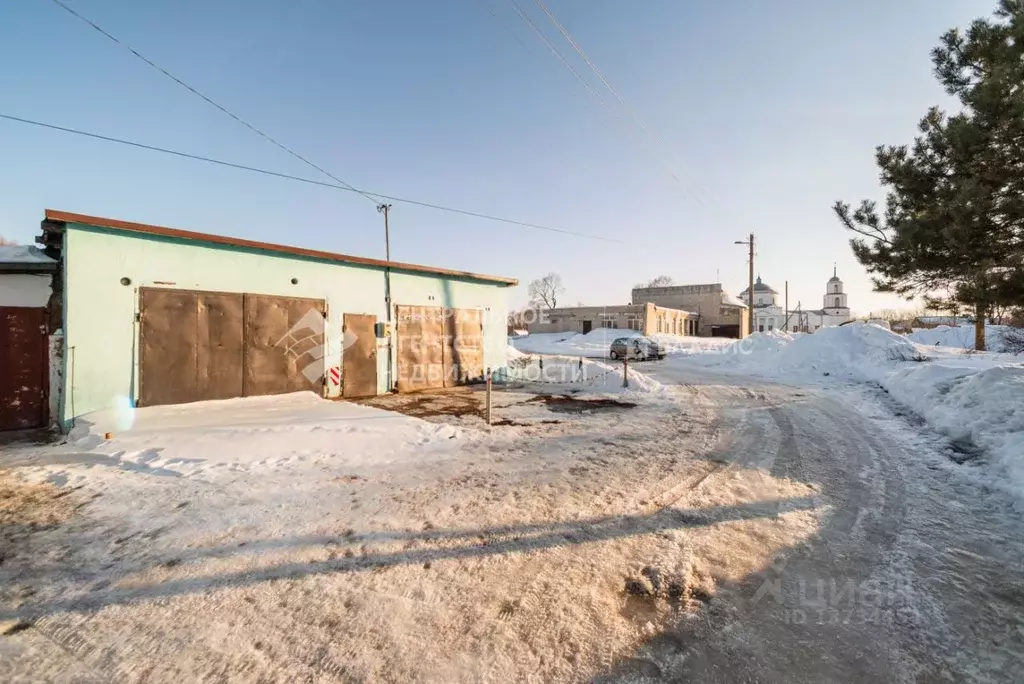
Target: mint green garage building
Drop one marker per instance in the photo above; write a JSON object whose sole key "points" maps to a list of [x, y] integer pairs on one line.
{"points": [[152, 315]]}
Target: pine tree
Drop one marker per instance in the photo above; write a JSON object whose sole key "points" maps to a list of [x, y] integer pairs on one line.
{"points": [[954, 212]]}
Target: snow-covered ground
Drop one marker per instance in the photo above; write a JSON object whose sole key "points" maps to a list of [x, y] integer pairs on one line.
{"points": [[683, 536], [597, 343], [295, 539], [272, 432], [976, 399]]}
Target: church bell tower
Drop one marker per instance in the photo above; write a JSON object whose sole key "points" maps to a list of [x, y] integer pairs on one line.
{"points": [[834, 303]]}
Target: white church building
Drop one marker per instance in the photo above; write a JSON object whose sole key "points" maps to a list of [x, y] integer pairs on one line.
{"points": [[768, 315]]}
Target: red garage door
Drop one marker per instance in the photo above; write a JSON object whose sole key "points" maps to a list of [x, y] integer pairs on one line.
{"points": [[24, 379]]}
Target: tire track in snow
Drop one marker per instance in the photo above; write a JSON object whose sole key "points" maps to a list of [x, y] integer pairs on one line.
{"points": [[839, 454]]}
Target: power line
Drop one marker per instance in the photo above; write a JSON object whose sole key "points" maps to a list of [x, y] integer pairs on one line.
{"points": [[593, 67], [632, 113], [529, 22], [525, 17], [373, 195], [508, 28], [209, 101]]}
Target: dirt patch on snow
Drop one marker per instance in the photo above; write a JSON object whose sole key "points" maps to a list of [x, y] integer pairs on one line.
{"points": [[31, 505], [26, 510], [455, 402], [510, 407], [562, 403]]}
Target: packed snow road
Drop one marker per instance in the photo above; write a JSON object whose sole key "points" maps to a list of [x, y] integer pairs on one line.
{"points": [[916, 572], [735, 530]]}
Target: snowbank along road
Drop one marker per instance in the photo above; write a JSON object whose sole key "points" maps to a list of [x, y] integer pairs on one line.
{"points": [[734, 530]]}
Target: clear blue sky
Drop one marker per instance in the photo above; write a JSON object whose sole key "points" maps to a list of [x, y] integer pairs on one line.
{"points": [[767, 112]]}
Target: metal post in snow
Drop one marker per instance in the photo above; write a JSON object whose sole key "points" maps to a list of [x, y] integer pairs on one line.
{"points": [[625, 368], [488, 396]]}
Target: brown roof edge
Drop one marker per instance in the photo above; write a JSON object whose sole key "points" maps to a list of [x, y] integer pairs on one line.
{"points": [[127, 226]]}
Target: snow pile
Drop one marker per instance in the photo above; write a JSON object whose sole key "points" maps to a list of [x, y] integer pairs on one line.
{"points": [[23, 254], [597, 343], [758, 344], [977, 407], [959, 336], [264, 433], [573, 373], [854, 351], [639, 382]]}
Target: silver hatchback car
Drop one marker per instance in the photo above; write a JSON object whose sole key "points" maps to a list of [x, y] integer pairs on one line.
{"points": [[638, 347]]}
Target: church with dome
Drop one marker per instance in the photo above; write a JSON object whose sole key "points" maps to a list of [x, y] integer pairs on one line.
{"points": [[769, 315]]}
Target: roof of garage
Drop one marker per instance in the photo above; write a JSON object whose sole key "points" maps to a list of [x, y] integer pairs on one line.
{"points": [[24, 258], [53, 215]]}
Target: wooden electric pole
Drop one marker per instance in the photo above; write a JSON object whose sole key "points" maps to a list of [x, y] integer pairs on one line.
{"points": [[750, 286], [386, 209], [785, 326], [750, 313]]}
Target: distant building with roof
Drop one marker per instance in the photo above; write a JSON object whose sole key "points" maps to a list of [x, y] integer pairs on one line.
{"points": [[643, 318], [768, 315], [718, 313]]}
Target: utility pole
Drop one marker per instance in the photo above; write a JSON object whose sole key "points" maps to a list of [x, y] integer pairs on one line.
{"points": [[750, 312], [785, 326], [386, 209], [750, 287]]}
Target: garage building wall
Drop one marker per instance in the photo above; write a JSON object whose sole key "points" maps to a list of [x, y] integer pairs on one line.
{"points": [[101, 330]]}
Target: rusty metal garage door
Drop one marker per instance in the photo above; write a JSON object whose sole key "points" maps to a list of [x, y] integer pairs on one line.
{"points": [[438, 347], [195, 346], [420, 335], [359, 358], [24, 379], [190, 346], [464, 347], [284, 344]]}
